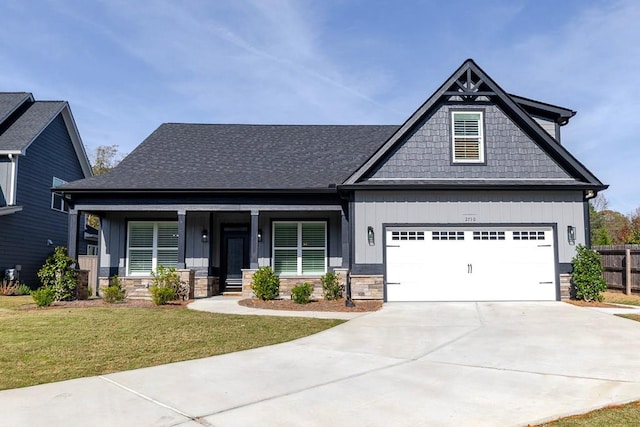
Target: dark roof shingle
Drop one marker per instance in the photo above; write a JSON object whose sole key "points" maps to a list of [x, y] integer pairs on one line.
{"points": [[179, 156], [30, 123]]}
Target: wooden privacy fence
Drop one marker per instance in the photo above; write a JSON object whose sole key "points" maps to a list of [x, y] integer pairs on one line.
{"points": [[621, 265], [90, 263]]}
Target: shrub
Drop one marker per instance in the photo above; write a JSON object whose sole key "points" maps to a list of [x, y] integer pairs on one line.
{"points": [[23, 289], [57, 274], [166, 282], [160, 295], [114, 293], [301, 293], [587, 274], [331, 287], [265, 283], [44, 296]]}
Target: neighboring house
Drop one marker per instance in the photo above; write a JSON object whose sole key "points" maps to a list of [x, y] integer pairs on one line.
{"points": [[472, 198], [40, 148]]}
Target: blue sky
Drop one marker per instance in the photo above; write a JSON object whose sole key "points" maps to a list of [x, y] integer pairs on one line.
{"points": [[128, 66]]}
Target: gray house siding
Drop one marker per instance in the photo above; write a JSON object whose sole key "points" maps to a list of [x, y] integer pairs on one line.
{"points": [[375, 208], [549, 126], [509, 152], [25, 233]]}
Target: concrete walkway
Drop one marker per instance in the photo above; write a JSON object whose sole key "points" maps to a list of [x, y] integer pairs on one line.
{"points": [[229, 305], [444, 364]]}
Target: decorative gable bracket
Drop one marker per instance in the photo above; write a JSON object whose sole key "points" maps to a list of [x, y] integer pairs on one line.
{"points": [[468, 87]]}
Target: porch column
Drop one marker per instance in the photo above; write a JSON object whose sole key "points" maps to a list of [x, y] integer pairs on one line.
{"points": [[182, 231], [344, 226], [72, 234], [253, 252]]}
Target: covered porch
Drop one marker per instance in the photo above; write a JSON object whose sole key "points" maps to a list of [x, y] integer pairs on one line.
{"points": [[217, 247]]}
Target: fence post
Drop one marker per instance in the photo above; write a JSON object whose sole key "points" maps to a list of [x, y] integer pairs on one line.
{"points": [[627, 264]]}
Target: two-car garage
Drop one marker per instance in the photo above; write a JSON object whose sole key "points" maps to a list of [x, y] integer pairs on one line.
{"points": [[470, 263]]}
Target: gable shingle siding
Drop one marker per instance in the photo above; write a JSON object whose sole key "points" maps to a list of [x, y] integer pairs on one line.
{"points": [[509, 152]]}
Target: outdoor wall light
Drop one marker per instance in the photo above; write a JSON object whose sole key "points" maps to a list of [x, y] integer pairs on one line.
{"points": [[205, 236], [371, 237], [259, 235], [571, 234]]}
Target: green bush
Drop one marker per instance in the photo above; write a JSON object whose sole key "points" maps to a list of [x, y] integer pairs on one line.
{"points": [[57, 274], [44, 296], [114, 293], [587, 274], [166, 282], [331, 287], [265, 283], [161, 295], [301, 293], [23, 289]]}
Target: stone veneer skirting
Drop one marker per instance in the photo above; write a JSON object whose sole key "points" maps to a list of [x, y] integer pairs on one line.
{"points": [[138, 287], [362, 286], [565, 286]]}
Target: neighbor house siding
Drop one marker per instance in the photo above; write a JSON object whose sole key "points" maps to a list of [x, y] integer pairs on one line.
{"points": [[25, 233], [509, 152], [375, 208]]}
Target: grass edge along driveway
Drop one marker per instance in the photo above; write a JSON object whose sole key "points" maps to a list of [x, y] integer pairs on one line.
{"points": [[42, 346]]}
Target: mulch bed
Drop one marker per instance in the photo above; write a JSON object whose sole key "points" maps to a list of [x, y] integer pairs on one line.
{"points": [[582, 303], [315, 305]]}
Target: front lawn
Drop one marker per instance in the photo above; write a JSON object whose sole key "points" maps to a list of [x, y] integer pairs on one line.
{"points": [[46, 345], [620, 298], [620, 416]]}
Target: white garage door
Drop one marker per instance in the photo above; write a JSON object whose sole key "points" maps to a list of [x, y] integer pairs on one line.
{"points": [[470, 264]]}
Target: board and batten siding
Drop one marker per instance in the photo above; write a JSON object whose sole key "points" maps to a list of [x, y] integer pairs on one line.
{"points": [[549, 126], [375, 208], [25, 233]]}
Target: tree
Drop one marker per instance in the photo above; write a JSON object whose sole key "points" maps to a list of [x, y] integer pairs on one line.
{"points": [[106, 157]]}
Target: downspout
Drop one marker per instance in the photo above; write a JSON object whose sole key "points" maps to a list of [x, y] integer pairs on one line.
{"points": [[12, 183]]}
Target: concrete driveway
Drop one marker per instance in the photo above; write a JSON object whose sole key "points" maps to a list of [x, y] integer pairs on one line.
{"points": [[480, 364]]}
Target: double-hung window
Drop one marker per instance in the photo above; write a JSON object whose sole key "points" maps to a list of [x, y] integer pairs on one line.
{"points": [[468, 138], [150, 244], [57, 201], [300, 248]]}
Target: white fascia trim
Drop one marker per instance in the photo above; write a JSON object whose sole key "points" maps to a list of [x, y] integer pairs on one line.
{"points": [[14, 179], [11, 152], [81, 153]]}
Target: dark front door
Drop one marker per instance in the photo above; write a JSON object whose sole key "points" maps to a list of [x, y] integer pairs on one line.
{"points": [[235, 257]]}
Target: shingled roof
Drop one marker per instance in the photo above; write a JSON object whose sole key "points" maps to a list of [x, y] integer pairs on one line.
{"points": [[11, 101], [21, 132], [179, 156]]}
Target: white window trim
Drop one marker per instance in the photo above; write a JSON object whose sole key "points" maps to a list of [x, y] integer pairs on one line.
{"points": [[481, 147], [298, 247], [92, 248], [154, 248], [54, 195]]}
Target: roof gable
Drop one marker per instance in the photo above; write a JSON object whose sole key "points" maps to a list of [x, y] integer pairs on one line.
{"points": [[425, 154], [470, 84], [22, 120]]}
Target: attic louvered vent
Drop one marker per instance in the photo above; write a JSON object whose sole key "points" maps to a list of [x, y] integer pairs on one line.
{"points": [[467, 137]]}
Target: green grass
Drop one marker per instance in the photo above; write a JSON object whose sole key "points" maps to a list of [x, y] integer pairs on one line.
{"points": [[620, 416], [620, 298], [41, 346]]}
